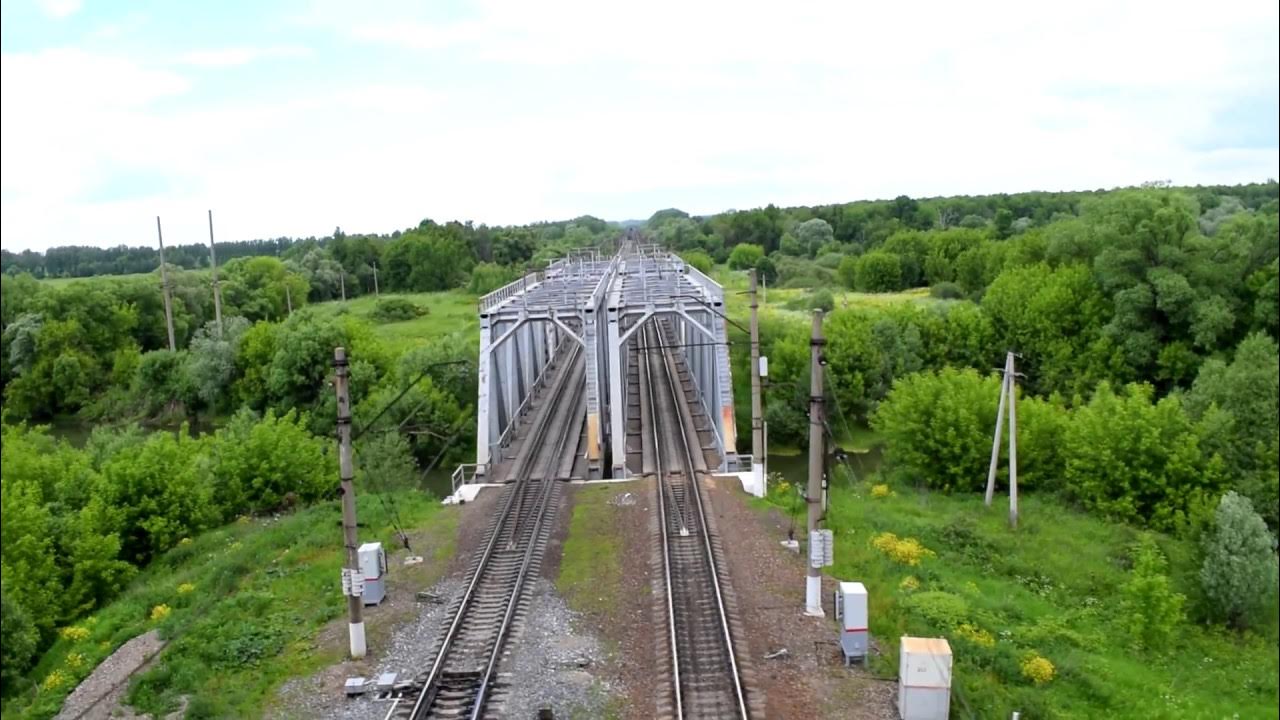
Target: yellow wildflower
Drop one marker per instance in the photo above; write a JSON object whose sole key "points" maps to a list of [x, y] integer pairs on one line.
{"points": [[1037, 669], [880, 491], [977, 636], [159, 612], [909, 584], [185, 588], [75, 660], [907, 551], [54, 680], [185, 541], [74, 633]]}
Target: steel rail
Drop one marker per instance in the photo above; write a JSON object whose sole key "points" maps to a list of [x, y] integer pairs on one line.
{"points": [[691, 478], [431, 685], [662, 514]]}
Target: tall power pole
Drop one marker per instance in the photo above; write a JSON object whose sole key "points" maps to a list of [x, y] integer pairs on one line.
{"points": [[813, 583], [167, 291], [217, 289], [757, 402], [995, 445], [1013, 445], [342, 282], [1009, 397], [352, 580], [375, 278]]}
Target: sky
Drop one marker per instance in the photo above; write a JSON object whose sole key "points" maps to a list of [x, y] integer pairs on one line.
{"points": [[299, 116]]}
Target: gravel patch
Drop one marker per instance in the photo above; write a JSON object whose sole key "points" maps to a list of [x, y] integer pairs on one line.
{"points": [[552, 664], [100, 693]]}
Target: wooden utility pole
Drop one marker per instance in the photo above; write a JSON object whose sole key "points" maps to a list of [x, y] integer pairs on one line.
{"points": [[375, 278], [352, 580], [813, 583], [217, 290], [166, 290], [757, 402], [1009, 397]]}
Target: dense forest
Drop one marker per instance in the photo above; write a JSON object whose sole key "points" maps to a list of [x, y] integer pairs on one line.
{"points": [[1146, 320]]}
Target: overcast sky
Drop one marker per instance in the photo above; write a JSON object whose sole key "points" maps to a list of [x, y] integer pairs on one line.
{"points": [[291, 118]]}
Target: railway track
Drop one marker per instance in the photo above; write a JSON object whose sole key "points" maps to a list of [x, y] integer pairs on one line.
{"points": [[706, 677], [463, 681]]}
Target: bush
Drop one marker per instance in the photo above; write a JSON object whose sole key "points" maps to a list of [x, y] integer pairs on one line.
{"points": [[946, 291], [698, 260], [1239, 570], [878, 272], [1151, 609], [745, 256], [18, 640], [487, 277], [822, 300], [395, 309]]}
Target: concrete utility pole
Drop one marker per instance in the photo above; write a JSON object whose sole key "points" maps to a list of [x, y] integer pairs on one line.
{"points": [[342, 282], [217, 290], [1013, 445], [813, 583], [288, 298], [375, 279], [352, 580], [167, 291], [995, 444], [1008, 396], [757, 402]]}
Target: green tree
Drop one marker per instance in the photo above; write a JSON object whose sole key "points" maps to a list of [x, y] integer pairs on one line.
{"points": [[745, 256], [1138, 460], [698, 259], [878, 272], [1053, 317], [813, 234], [912, 249], [1148, 604], [18, 641], [263, 465], [1239, 570]]}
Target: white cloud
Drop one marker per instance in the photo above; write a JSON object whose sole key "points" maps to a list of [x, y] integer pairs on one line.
{"points": [[235, 56], [518, 112], [59, 9]]}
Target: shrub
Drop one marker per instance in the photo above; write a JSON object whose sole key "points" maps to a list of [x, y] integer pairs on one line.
{"points": [[1150, 608], [878, 272], [18, 641], [1239, 570], [698, 260], [487, 277], [822, 300], [946, 291], [395, 309], [943, 609], [745, 256], [907, 551], [1037, 669]]}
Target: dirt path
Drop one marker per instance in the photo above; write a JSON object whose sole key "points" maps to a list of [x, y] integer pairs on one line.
{"points": [[809, 679]]}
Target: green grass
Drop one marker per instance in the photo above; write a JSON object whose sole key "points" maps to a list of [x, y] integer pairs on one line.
{"points": [[1050, 588], [448, 312], [591, 564], [262, 591], [63, 282]]}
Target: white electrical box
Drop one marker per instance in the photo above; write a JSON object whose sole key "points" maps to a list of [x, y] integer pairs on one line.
{"points": [[924, 679], [373, 566], [851, 613]]}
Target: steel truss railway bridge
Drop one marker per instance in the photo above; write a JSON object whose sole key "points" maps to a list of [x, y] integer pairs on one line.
{"points": [[599, 368]]}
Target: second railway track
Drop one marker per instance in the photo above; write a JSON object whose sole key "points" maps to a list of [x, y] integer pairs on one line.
{"points": [[463, 680], [707, 680]]}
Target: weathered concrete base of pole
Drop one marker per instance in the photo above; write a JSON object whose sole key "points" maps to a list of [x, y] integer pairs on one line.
{"points": [[358, 649], [813, 597]]}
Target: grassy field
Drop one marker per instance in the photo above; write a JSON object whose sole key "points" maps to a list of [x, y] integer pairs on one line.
{"points": [[1051, 589], [590, 566], [241, 607], [62, 282], [448, 313]]}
